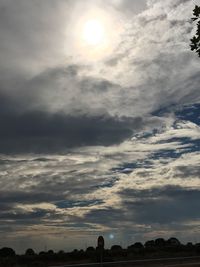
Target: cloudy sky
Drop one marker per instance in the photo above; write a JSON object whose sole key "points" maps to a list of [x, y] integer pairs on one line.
{"points": [[100, 123]]}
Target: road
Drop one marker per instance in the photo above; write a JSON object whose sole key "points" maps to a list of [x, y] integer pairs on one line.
{"points": [[164, 262]]}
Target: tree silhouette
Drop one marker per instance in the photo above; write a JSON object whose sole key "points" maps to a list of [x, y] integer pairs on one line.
{"points": [[7, 252], [90, 249], [137, 247], [195, 41], [173, 241], [30, 252], [160, 242]]}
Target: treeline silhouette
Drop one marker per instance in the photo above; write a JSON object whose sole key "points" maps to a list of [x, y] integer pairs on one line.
{"points": [[150, 249]]}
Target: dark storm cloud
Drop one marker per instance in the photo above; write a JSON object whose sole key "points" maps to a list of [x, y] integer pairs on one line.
{"points": [[162, 205], [42, 132], [29, 125]]}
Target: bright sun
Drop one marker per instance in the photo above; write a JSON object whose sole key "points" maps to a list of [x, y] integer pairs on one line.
{"points": [[93, 32]]}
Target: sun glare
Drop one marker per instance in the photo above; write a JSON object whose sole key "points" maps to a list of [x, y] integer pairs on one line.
{"points": [[93, 32]]}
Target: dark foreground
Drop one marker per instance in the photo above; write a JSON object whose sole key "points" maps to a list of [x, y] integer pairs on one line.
{"points": [[171, 262], [159, 262], [154, 253]]}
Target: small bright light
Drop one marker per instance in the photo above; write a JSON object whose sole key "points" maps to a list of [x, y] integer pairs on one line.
{"points": [[111, 236], [93, 32]]}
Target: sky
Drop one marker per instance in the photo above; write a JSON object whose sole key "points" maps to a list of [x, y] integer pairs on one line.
{"points": [[100, 123]]}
